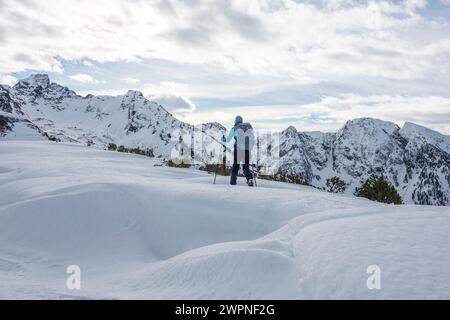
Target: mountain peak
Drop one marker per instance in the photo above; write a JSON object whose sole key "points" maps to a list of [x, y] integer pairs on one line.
{"points": [[213, 125], [410, 128], [415, 132], [370, 124], [134, 93], [371, 121], [291, 129], [35, 80]]}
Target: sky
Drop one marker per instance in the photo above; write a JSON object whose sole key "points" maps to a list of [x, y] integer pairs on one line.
{"points": [[313, 64]]}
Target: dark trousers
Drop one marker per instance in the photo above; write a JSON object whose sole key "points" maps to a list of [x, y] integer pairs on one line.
{"points": [[240, 156]]}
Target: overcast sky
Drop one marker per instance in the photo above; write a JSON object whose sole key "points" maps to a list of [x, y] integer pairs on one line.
{"points": [[312, 64]]}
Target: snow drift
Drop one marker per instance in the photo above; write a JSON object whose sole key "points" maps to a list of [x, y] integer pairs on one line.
{"points": [[142, 231]]}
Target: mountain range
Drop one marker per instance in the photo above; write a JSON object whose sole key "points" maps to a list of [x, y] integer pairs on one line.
{"points": [[414, 159]]}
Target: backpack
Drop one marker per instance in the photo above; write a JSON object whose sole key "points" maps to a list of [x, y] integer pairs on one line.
{"points": [[246, 136]]}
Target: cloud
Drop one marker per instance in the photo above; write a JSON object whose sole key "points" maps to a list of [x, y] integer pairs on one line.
{"points": [[386, 52], [173, 85], [173, 103], [307, 42], [83, 78], [8, 80], [131, 80], [331, 112], [88, 63]]}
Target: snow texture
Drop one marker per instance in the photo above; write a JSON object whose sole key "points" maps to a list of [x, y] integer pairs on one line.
{"points": [[148, 232]]}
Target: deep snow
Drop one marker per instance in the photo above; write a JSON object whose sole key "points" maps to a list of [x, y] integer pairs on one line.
{"points": [[142, 231]]}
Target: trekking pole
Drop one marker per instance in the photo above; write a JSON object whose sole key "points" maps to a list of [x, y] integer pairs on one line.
{"points": [[215, 174], [224, 159], [255, 174]]}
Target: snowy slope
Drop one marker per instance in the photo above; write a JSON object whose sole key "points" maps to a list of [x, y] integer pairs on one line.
{"points": [[140, 231]]}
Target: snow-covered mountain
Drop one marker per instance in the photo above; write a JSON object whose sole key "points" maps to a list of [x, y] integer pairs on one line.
{"points": [[37, 108], [415, 160]]}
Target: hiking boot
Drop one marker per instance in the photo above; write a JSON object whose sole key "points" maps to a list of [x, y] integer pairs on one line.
{"points": [[250, 183]]}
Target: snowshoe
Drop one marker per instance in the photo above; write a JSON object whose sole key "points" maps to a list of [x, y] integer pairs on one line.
{"points": [[250, 183]]}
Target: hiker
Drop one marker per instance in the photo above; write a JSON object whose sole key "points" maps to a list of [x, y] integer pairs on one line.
{"points": [[244, 140]]}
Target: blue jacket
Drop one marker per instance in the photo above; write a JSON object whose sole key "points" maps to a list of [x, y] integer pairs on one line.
{"points": [[233, 134]]}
